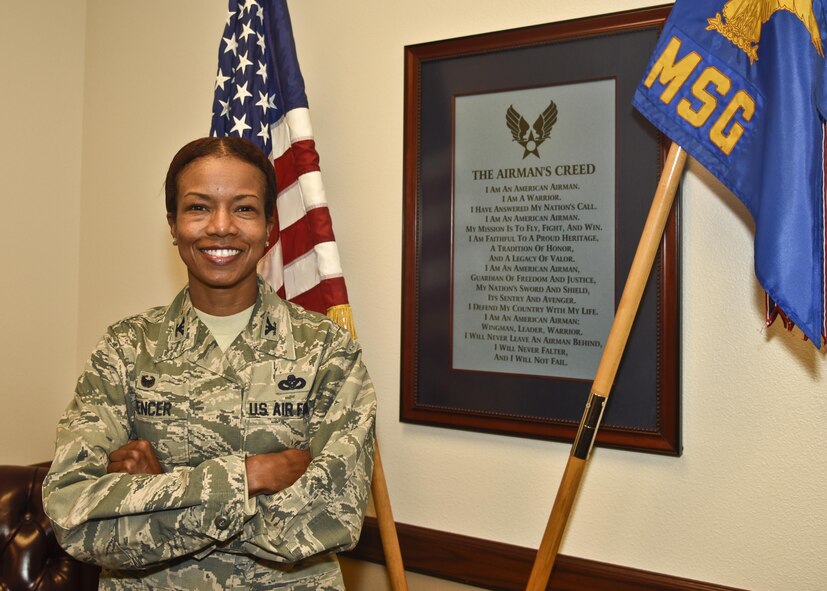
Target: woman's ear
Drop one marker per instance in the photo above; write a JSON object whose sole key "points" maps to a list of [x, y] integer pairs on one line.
{"points": [[172, 227]]}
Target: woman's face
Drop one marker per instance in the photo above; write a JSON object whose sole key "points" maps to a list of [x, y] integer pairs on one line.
{"points": [[221, 229]]}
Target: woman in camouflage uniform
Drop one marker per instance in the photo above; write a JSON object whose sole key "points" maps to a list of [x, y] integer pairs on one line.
{"points": [[224, 441]]}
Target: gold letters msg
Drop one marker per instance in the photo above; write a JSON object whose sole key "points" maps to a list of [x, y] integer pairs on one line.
{"points": [[714, 97]]}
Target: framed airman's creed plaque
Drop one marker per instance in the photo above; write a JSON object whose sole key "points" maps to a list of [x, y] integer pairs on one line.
{"points": [[528, 177]]}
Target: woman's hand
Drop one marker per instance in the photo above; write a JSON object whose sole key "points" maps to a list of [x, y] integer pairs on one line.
{"points": [[136, 457], [270, 473]]}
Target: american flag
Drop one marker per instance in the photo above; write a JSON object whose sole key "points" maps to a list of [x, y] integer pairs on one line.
{"points": [[259, 95]]}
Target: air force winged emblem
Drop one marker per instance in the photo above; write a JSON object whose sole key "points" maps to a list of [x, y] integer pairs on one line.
{"points": [[742, 21], [531, 137]]}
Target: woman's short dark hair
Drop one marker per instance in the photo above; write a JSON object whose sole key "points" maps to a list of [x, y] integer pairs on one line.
{"points": [[221, 147]]}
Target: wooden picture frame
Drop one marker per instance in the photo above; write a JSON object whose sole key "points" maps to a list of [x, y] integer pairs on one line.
{"points": [[643, 413]]}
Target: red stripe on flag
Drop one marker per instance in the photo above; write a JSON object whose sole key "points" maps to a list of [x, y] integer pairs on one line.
{"points": [[305, 233], [318, 297], [305, 156], [334, 290], [286, 173], [295, 161], [321, 224], [312, 299], [296, 240]]}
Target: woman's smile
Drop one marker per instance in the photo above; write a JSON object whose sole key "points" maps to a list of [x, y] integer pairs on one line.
{"points": [[221, 254]]}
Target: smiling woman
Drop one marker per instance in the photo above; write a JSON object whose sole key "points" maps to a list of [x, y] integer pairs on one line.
{"points": [[226, 440], [220, 213]]}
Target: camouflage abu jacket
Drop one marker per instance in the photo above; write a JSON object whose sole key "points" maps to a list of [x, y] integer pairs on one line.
{"points": [[291, 379]]}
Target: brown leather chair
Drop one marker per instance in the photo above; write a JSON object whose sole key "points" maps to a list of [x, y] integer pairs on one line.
{"points": [[30, 558]]}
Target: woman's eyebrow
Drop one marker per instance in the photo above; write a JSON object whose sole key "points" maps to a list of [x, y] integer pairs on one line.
{"points": [[207, 196]]}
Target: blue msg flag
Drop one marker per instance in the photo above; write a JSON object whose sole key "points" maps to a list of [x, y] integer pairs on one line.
{"points": [[740, 85]]}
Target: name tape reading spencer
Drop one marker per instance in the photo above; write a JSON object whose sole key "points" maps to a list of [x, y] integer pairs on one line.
{"points": [[153, 408], [716, 104]]}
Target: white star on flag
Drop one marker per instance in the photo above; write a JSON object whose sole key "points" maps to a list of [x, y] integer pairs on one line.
{"points": [[241, 93], [240, 125]]}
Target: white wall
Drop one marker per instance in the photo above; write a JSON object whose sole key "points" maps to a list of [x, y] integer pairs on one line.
{"points": [[150, 76], [42, 45], [744, 506]]}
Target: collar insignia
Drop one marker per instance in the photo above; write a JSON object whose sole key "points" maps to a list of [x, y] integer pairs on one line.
{"points": [[269, 327]]}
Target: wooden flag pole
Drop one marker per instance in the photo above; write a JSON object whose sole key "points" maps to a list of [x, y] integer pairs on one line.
{"points": [[607, 369], [387, 526]]}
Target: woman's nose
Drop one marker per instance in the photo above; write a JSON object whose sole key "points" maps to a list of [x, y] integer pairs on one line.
{"points": [[221, 223]]}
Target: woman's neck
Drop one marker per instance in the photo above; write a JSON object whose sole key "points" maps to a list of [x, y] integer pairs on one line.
{"points": [[224, 301]]}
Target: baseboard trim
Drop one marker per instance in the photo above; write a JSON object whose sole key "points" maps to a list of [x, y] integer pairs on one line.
{"points": [[493, 565]]}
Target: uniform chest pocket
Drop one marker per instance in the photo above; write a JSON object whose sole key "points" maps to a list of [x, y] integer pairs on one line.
{"points": [[276, 415], [162, 418]]}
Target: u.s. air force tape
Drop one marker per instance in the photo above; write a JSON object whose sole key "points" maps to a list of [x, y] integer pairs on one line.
{"points": [[588, 426]]}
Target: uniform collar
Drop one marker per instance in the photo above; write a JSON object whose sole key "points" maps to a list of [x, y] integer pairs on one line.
{"points": [[182, 332]]}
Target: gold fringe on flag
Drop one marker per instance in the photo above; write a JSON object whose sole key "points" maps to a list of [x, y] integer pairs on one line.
{"points": [[343, 316]]}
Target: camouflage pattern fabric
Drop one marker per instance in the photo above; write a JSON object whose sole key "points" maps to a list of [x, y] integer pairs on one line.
{"points": [[292, 379]]}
